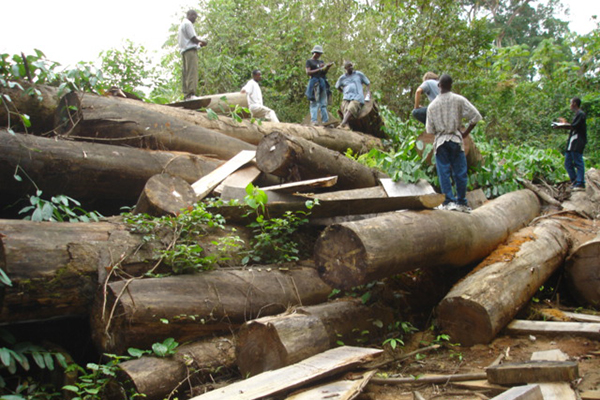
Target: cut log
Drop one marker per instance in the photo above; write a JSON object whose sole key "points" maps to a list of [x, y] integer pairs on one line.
{"points": [[527, 392], [274, 342], [486, 300], [583, 273], [193, 363], [39, 102], [196, 305], [345, 389], [532, 372], [554, 390], [354, 253], [472, 153], [129, 122], [419, 380], [165, 194], [291, 377], [368, 121], [92, 173], [551, 328], [297, 159]]}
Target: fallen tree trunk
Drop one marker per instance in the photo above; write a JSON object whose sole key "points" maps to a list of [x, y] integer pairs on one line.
{"points": [[270, 343], [355, 253], [89, 171], [193, 363], [130, 122], [368, 121], [296, 159], [39, 102], [583, 273], [487, 299], [135, 313]]}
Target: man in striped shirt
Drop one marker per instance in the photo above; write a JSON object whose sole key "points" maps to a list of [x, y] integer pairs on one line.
{"points": [[444, 120]]}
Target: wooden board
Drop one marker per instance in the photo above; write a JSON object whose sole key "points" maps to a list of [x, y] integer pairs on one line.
{"points": [[587, 329], [532, 372], [481, 385], [557, 391], [398, 189], [344, 389], [316, 367], [240, 178], [204, 185], [191, 104], [590, 395], [527, 392], [581, 317], [292, 187], [549, 355]]}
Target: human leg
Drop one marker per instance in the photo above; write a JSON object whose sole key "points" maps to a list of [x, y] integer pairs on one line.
{"points": [[569, 166], [314, 109], [323, 106], [420, 114], [444, 171], [459, 170], [259, 111], [579, 165], [190, 73]]}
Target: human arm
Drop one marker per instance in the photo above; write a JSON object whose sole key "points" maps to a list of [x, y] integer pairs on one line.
{"points": [[470, 112], [418, 94], [562, 124]]}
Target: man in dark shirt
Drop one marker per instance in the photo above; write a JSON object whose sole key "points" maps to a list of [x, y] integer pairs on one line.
{"points": [[318, 87], [575, 144]]}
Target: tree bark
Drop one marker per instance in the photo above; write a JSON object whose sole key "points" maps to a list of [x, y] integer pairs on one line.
{"points": [[270, 343], [39, 102], [165, 194], [487, 299], [368, 121], [196, 305], [583, 272], [133, 123], [355, 253], [89, 171], [296, 159], [191, 365]]}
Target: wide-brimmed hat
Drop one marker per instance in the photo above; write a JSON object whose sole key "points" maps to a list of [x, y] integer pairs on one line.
{"points": [[317, 49]]}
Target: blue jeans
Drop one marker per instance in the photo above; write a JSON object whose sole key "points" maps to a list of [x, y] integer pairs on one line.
{"points": [[450, 161], [321, 104], [575, 167], [420, 114]]}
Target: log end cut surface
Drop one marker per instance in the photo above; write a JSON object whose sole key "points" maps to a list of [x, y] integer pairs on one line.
{"points": [[466, 322], [274, 153], [583, 273], [165, 194], [340, 246], [256, 356]]}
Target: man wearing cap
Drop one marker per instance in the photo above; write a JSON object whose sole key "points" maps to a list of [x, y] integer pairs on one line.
{"points": [[189, 44], [350, 84], [255, 100], [318, 87]]}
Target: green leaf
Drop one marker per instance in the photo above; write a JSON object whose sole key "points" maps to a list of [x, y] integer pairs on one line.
{"points": [[159, 349]]}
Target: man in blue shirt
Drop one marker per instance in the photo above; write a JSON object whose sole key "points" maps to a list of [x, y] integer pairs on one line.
{"points": [[350, 84]]}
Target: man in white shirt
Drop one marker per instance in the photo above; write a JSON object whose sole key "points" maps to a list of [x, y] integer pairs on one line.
{"points": [[444, 120], [189, 44], [255, 100]]}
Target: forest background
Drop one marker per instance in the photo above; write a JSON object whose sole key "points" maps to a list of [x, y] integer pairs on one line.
{"points": [[515, 60]]}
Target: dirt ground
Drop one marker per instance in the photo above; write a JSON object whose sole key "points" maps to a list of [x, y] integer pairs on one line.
{"points": [[465, 360]]}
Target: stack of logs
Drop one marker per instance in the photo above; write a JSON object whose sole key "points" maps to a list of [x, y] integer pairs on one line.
{"points": [[104, 150]]}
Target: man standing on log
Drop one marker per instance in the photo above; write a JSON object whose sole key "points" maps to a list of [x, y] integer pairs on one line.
{"points": [[317, 90], [575, 144], [444, 120], [255, 100], [189, 44], [350, 84], [431, 89]]}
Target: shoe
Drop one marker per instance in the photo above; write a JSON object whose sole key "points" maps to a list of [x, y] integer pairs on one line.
{"points": [[452, 206], [577, 188], [191, 97], [345, 127], [464, 208], [440, 207]]}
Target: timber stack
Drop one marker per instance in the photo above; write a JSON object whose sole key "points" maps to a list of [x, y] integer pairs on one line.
{"points": [[265, 321]]}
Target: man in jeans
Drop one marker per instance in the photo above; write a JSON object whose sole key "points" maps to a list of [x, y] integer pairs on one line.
{"points": [[575, 144], [444, 120]]}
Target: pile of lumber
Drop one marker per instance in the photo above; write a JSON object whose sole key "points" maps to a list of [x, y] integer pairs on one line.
{"points": [[266, 321]]}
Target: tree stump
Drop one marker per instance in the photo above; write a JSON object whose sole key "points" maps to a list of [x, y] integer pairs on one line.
{"points": [[165, 194]]}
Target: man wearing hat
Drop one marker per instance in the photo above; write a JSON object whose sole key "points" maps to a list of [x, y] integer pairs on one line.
{"points": [[318, 87], [350, 84]]}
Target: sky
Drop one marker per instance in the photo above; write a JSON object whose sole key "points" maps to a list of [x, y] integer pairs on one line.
{"points": [[69, 31]]}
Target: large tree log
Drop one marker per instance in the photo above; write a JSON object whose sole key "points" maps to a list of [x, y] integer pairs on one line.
{"points": [[368, 121], [355, 253], [165, 194], [56, 267], [157, 377], [487, 299], [274, 342], [196, 305], [39, 102], [89, 171], [583, 273], [130, 122], [297, 159]]}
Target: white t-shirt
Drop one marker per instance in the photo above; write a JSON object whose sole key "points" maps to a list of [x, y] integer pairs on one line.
{"points": [[186, 33], [253, 93]]}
